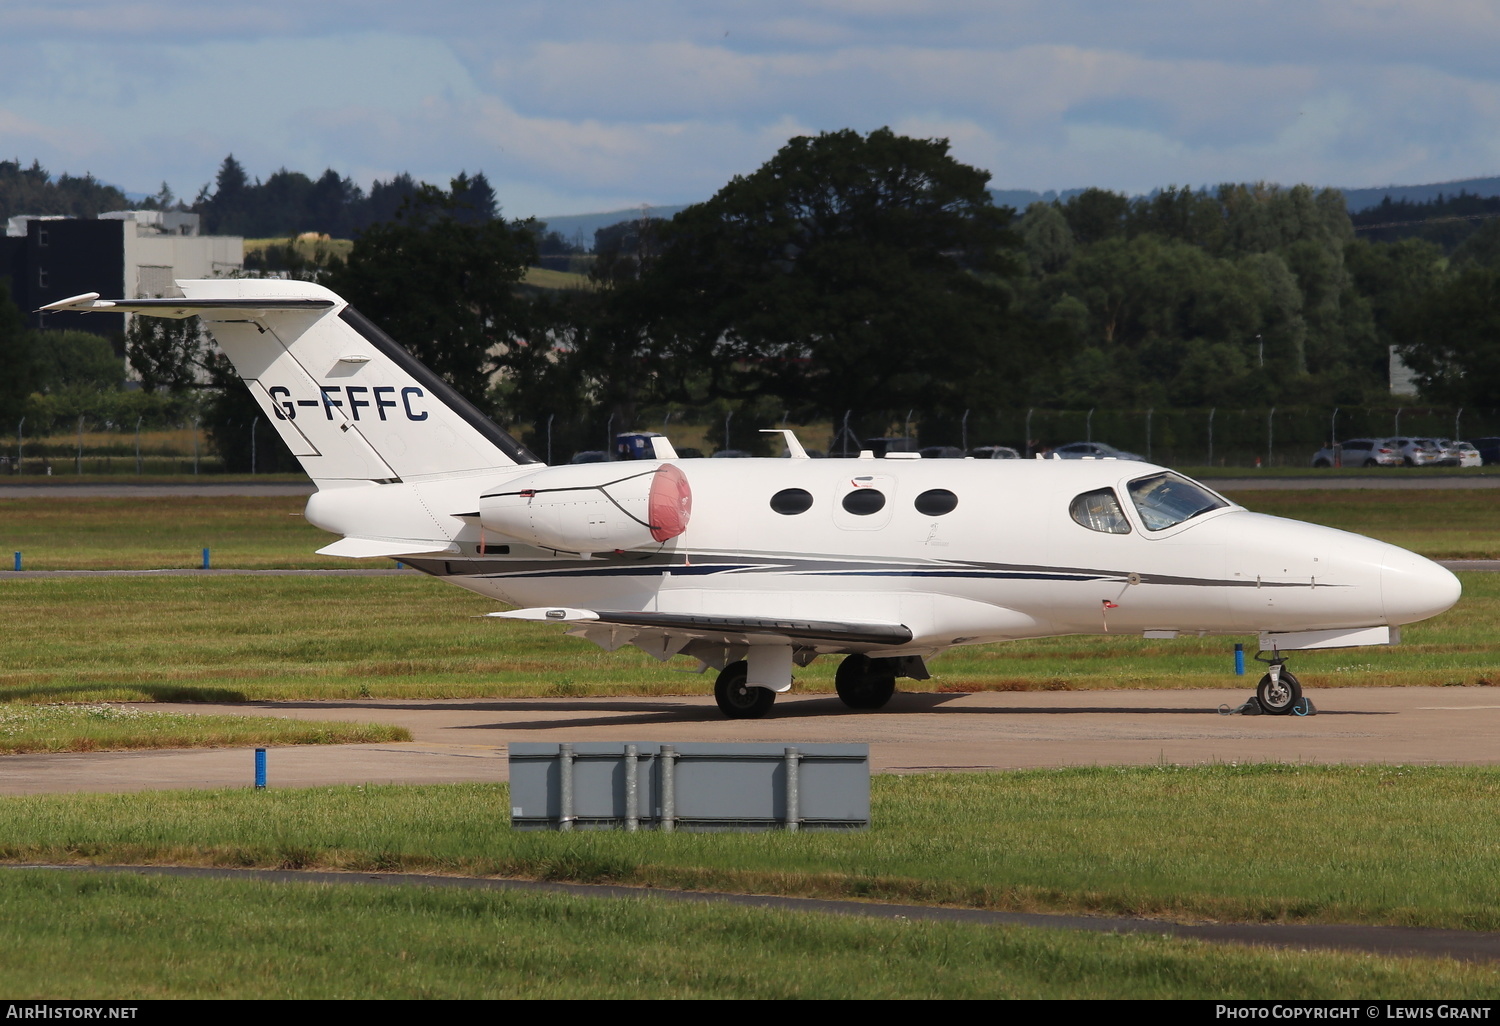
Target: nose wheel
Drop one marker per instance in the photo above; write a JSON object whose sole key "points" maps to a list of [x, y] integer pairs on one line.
{"points": [[1279, 691], [1279, 696]]}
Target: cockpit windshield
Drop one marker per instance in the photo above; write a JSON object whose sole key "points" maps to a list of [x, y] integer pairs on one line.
{"points": [[1166, 500]]}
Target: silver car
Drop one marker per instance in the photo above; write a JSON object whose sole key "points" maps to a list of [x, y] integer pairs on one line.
{"points": [[1419, 452], [1094, 451], [1360, 452]]}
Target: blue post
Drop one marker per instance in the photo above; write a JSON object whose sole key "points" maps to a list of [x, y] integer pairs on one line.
{"points": [[205, 559], [18, 561], [1239, 659], [260, 769]]}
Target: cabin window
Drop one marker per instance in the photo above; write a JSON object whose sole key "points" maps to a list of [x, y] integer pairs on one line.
{"points": [[1100, 511], [791, 501], [936, 501], [862, 502], [1166, 500]]}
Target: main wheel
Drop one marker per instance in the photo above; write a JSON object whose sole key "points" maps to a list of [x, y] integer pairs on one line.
{"points": [[864, 683], [739, 700], [1278, 697]]}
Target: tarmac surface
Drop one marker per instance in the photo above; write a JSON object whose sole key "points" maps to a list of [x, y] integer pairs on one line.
{"points": [[466, 739]]}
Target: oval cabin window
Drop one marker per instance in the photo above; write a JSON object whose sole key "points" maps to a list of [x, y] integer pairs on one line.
{"points": [[864, 501], [935, 502], [791, 501]]}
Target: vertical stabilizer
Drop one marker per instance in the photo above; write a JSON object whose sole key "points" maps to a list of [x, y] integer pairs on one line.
{"points": [[350, 403]]}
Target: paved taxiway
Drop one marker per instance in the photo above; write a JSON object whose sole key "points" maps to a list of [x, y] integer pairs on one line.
{"points": [[465, 739]]}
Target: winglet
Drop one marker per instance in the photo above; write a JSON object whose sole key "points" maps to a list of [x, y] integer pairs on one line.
{"points": [[87, 301]]}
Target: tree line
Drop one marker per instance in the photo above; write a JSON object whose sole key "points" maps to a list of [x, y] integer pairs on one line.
{"points": [[869, 275]]}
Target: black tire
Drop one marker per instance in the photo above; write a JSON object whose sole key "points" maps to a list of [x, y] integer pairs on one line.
{"points": [[1322, 464], [865, 683], [738, 700], [1372, 463], [1278, 699]]}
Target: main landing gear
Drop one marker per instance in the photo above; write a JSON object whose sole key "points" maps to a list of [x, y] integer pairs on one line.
{"points": [[865, 683], [862, 683], [738, 699]]}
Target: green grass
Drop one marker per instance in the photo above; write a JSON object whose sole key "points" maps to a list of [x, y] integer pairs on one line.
{"points": [[241, 638], [111, 728], [1278, 843], [124, 937], [136, 533], [1456, 524]]}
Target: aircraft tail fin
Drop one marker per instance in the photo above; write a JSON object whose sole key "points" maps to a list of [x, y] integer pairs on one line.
{"points": [[350, 403]]}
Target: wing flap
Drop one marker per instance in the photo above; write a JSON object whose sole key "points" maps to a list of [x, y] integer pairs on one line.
{"points": [[698, 625]]}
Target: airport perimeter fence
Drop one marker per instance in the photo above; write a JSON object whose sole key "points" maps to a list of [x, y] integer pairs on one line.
{"points": [[1244, 437], [1222, 436]]}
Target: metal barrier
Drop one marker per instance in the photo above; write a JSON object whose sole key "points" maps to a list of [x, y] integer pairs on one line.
{"points": [[699, 787]]}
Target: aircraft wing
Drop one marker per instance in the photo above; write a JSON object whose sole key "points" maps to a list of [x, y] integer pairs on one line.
{"points": [[722, 628]]}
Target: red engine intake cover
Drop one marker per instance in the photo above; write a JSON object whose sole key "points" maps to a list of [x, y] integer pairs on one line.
{"points": [[671, 503]]}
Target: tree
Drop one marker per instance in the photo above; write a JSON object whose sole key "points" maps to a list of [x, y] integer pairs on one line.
{"points": [[1453, 338], [444, 289], [849, 272], [17, 356], [166, 352], [76, 360]]}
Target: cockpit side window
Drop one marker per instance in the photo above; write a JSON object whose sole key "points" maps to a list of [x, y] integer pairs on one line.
{"points": [[1100, 511], [1166, 500]]}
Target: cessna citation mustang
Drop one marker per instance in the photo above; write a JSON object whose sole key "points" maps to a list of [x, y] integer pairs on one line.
{"points": [[755, 567]]}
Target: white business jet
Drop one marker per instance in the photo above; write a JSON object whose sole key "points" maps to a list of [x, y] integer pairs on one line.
{"points": [[754, 567]]}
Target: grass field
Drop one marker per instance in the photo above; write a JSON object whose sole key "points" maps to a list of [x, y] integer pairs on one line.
{"points": [[1359, 844], [238, 638], [1351, 844], [112, 728], [151, 937]]}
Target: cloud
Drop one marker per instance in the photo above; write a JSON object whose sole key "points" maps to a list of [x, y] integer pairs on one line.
{"points": [[663, 100]]}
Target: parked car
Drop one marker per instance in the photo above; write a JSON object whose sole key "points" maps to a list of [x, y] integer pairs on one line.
{"points": [[994, 452], [1489, 449], [1094, 450], [1418, 452], [1465, 453], [943, 452], [590, 456], [1360, 452]]}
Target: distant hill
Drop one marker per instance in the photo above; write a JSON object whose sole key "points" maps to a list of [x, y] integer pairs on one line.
{"points": [[583, 226], [1364, 199]]}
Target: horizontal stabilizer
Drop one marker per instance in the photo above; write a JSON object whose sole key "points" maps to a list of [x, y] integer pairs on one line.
{"points": [[90, 302], [361, 548], [703, 626]]}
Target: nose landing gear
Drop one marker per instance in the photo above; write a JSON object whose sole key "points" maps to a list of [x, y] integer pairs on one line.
{"points": [[1279, 692]]}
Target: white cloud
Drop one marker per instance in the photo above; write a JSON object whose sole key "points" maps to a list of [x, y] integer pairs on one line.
{"points": [[663, 100]]}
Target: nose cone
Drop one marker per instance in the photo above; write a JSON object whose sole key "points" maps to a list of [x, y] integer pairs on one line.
{"points": [[1414, 588]]}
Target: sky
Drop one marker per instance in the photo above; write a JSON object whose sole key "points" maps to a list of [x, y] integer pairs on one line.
{"points": [[586, 105]]}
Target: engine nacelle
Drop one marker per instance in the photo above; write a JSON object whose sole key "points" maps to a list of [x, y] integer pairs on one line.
{"points": [[592, 507]]}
